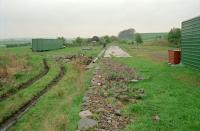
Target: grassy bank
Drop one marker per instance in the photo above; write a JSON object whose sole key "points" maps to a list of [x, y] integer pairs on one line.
{"points": [[171, 92], [60, 106], [14, 102], [18, 65]]}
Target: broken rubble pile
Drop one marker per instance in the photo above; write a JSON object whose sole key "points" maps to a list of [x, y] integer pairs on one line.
{"points": [[81, 58], [108, 94]]}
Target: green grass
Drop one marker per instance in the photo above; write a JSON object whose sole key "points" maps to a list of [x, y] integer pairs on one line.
{"points": [[171, 92], [70, 51], [34, 61], [60, 106], [149, 37], [14, 102]]}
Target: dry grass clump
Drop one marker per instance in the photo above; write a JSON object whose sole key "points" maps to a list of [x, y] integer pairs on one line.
{"points": [[10, 64]]}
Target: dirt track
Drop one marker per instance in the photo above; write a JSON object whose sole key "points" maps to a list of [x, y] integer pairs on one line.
{"points": [[115, 51], [12, 119]]}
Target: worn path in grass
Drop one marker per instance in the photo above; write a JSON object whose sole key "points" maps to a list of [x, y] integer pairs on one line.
{"points": [[11, 119], [61, 104], [115, 51]]}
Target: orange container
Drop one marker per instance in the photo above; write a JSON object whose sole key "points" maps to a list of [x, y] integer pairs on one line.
{"points": [[174, 56]]}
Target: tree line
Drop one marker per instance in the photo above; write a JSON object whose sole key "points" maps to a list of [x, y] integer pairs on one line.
{"points": [[129, 36]]}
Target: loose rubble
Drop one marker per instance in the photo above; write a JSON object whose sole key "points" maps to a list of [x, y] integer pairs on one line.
{"points": [[81, 58], [108, 94]]}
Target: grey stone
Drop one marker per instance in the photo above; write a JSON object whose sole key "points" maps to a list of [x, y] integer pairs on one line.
{"points": [[134, 80], [118, 112], [123, 97], [100, 110], [156, 118], [85, 99], [86, 123], [86, 113], [100, 130]]}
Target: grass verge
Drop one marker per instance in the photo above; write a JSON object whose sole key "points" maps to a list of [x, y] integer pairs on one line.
{"points": [[171, 93], [60, 106], [14, 102]]}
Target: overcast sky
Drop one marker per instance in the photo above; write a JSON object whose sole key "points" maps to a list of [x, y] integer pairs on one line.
{"points": [[85, 18]]}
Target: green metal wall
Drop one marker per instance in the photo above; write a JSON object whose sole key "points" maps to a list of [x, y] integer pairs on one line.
{"points": [[190, 42], [46, 44]]}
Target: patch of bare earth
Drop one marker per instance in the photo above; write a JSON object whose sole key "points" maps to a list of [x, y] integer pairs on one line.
{"points": [[108, 94]]}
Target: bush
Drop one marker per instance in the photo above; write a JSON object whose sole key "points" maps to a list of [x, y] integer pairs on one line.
{"points": [[138, 38], [62, 39], [95, 38], [79, 40], [174, 36]]}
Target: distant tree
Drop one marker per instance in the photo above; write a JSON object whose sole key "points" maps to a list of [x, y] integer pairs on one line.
{"points": [[114, 38], [95, 38], [107, 39], [174, 36], [127, 35], [62, 38], [78, 40], [132, 42], [138, 38]]}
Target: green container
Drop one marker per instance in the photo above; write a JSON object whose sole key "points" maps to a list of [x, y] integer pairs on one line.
{"points": [[46, 44], [190, 42]]}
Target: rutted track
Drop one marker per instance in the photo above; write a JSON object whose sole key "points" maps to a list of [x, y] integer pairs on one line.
{"points": [[27, 83], [12, 119]]}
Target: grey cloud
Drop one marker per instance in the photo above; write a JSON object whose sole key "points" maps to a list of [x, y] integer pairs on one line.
{"points": [[71, 18]]}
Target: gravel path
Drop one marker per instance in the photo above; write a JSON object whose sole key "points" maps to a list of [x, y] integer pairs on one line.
{"points": [[115, 51]]}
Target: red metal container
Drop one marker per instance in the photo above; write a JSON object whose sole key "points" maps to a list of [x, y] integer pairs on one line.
{"points": [[174, 56]]}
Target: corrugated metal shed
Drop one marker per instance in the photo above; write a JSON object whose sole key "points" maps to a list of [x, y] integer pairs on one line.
{"points": [[190, 42], [46, 44]]}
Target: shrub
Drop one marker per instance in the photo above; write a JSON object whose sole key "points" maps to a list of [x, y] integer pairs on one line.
{"points": [[138, 38], [174, 36]]}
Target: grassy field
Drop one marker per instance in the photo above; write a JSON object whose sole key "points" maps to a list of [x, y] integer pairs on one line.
{"points": [[171, 93], [65, 98], [21, 65], [14, 102], [33, 60], [149, 37]]}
